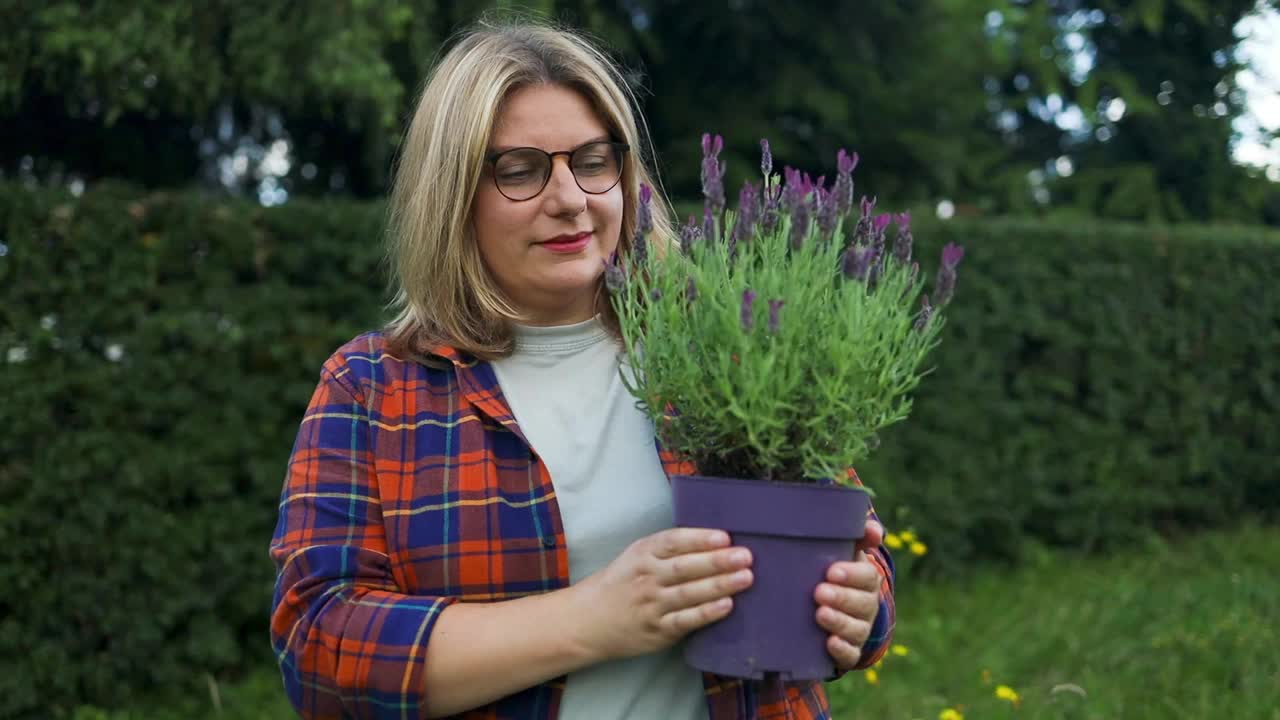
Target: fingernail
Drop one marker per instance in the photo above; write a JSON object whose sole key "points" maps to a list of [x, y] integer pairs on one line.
{"points": [[826, 594], [839, 575], [741, 557]]}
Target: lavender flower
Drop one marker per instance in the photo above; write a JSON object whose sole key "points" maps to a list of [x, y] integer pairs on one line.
{"points": [[746, 316], [878, 226], [795, 198], [690, 233], [926, 313], [862, 231], [748, 212], [772, 202], [639, 249], [644, 214], [828, 210], [945, 285], [708, 224], [766, 159], [902, 243], [691, 291], [845, 164], [856, 262], [713, 173], [775, 306], [614, 279]]}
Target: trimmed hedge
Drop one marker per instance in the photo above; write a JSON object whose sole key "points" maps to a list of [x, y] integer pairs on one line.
{"points": [[1096, 382]]}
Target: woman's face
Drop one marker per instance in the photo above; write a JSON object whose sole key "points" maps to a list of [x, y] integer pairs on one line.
{"points": [[547, 253]]}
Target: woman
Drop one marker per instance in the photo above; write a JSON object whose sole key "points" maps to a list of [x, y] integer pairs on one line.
{"points": [[476, 521]]}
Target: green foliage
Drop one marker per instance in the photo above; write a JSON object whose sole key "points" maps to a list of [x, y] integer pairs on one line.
{"points": [[1096, 383], [157, 354], [741, 397]]}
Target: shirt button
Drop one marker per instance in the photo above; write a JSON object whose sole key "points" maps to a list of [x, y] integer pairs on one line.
{"points": [[549, 541]]}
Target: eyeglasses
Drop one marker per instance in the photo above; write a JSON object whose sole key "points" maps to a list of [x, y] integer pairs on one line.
{"points": [[522, 173]]}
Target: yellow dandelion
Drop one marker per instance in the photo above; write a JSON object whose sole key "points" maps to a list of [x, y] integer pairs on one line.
{"points": [[919, 548], [893, 541], [986, 677], [899, 650], [907, 536], [950, 714], [872, 677], [1004, 692]]}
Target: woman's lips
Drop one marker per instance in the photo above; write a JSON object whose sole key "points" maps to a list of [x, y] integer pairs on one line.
{"points": [[572, 244]]}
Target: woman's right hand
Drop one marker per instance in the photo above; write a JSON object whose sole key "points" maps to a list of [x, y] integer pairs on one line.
{"points": [[661, 588]]}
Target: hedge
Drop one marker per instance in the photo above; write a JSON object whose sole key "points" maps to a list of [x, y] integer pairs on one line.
{"points": [[1096, 383]]}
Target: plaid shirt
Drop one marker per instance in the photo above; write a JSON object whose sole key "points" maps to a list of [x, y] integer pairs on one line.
{"points": [[411, 488]]}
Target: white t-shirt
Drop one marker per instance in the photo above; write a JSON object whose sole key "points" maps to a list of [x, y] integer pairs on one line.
{"points": [[566, 394]]}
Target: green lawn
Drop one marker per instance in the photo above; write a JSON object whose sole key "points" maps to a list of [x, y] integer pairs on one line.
{"points": [[1188, 631]]}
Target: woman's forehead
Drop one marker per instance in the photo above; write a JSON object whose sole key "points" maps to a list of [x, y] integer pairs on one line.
{"points": [[550, 117]]}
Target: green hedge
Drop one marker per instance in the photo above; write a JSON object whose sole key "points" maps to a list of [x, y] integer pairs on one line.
{"points": [[1095, 383]]}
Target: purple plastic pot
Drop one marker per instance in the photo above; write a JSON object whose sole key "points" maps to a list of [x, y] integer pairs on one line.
{"points": [[795, 532]]}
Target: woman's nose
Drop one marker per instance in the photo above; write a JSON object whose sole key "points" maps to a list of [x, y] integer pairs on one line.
{"points": [[563, 193]]}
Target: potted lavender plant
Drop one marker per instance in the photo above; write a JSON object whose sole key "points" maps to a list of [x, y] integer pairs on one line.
{"points": [[769, 352]]}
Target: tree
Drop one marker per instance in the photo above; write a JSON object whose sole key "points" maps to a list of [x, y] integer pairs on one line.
{"points": [[1125, 109]]}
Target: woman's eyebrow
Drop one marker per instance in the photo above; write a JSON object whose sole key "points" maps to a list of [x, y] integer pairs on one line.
{"points": [[504, 148]]}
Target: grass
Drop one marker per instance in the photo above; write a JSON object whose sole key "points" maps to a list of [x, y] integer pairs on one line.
{"points": [[1188, 630]]}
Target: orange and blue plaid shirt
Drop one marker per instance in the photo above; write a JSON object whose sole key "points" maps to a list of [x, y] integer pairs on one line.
{"points": [[410, 488]]}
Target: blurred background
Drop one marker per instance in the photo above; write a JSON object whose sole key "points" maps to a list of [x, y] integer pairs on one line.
{"points": [[1084, 503]]}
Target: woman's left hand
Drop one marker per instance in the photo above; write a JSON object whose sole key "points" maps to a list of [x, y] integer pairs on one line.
{"points": [[849, 600]]}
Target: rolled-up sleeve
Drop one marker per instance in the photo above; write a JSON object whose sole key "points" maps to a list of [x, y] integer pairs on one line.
{"points": [[349, 642]]}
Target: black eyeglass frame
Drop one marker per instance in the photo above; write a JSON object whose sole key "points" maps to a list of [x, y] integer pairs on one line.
{"points": [[619, 147]]}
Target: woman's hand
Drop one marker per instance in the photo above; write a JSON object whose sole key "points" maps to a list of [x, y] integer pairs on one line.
{"points": [[849, 600], [660, 589]]}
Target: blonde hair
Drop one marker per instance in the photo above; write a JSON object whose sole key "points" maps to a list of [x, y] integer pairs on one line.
{"points": [[443, 293]]}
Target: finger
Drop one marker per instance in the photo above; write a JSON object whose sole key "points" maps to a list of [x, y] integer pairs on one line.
{"points": [[694, 566], [682, 622], [845, 655], [860, 575], [699, 592], [872, 537], [850, 629], [679, 541], [858, 603]]}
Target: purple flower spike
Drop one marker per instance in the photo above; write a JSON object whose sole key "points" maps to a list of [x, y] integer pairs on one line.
{"points": [[845, 163], [708, 224], [828, 211], [766, 159], [862, 232], [926, 313], [902, 243], [856, 262], [614, 280], [691, 291], [747, 317], [644, 214], [769, 214], [639, 249], [690, 233], [713, 173], [945, 284], [881, 223], [775, 306], [748, 212]]}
